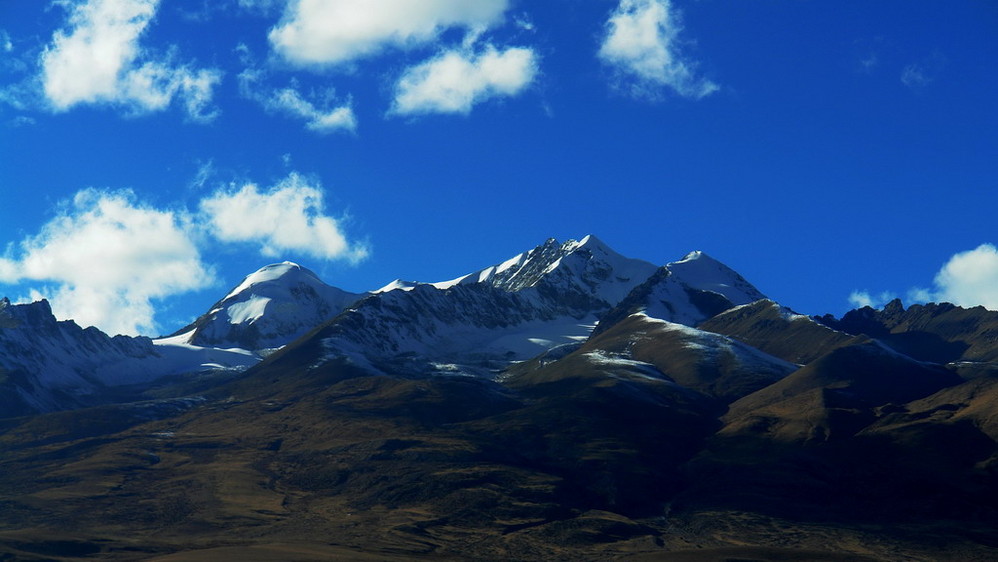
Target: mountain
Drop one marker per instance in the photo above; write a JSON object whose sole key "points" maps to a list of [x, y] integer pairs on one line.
{"points": [[654, 350], [838, 393], [271, 307], [938, 332], [863, 435], [555, 294], [481, 322], [50, 365], [687, 291], [777, 330], [568, 403]]}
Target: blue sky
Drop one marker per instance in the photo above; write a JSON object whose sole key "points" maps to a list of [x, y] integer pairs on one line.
{"points": [[152, 153]]}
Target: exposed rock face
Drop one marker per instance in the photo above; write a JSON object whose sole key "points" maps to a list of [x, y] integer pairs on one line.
{"points": [[939, 332]]}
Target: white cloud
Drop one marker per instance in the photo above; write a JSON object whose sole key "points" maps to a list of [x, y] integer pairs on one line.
{"points": [[289, 217], [970, 278], [859, 299], [319, 120], [6, 45], [920, 294], [967, 279], [456, 80], [326, 117], [642, 43], [330, 32], [9, 271], [98, 59], [106, 257]]}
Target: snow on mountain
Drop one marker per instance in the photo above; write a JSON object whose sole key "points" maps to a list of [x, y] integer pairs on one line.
{"points": [[707, 362], [397, 284], [777, 330], [586, 269], [478, 326], [551, 295], [702, 272], [687, 292], [47, 364], [713, 345], [271, 307]]}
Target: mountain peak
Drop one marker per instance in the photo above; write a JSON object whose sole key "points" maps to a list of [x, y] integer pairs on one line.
{"points": [[588, 241], [699, 270], [272, 306], [695, 255], [282, 273], [588, 263]]}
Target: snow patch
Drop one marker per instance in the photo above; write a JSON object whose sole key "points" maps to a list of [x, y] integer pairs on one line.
{"points": [[397, 284], [634, 369], [248, 311], [700, 271]]}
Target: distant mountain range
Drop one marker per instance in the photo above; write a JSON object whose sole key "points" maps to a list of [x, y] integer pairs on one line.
{"points": [[567, 403]]}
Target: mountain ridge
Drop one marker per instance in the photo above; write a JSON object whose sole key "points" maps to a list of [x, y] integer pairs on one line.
{"points": [[529, 410]]}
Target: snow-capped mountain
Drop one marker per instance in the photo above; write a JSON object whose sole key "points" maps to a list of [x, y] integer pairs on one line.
{"points": [[686, 292], [586, 270], [477, 324], [552, 295], [271, 307], [492, 403], [47, 364]]}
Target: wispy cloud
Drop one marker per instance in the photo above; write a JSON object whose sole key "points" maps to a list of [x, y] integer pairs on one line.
{"points": [[915, 76], [261, 6], [21, 121], [456, 80], [288, 217], [642, 45], [98, 59], [918, 75], [105, 257], [331, 32], [326, 116], [869, 62]]}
